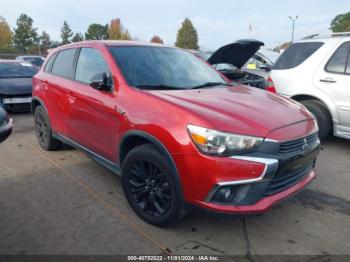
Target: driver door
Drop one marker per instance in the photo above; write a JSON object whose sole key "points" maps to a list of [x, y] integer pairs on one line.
{"points": [[93, 122]]}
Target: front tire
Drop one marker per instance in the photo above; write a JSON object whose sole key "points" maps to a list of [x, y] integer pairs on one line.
{"points": [[43, 130], [150, 186], [322, 116]]}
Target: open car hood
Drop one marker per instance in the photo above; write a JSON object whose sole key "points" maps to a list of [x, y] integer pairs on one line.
{"points": [[237, 53]]}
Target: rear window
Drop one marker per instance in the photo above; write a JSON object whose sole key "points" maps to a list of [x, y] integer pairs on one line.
{"points": [[296, 54], [339, 60], [63, 65], [49, 63]]}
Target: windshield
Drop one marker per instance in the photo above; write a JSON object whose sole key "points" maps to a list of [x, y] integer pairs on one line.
{"points": [[37, 61], [12, 70], [149, 67]]}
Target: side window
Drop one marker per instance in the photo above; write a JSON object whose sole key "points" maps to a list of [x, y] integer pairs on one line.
{"points": [[49, 63], [339, 60], [90, 63], [63, 65], [296, 54]]}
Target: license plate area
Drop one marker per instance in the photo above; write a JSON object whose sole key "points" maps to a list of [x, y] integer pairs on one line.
{"points": [[17, 100]]}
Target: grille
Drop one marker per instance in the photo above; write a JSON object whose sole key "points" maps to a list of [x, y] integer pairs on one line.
{"points": [[301, 144], [286, 180]]}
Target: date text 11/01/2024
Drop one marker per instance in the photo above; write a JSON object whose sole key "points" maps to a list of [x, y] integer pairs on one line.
{"points": [[173, 258]]}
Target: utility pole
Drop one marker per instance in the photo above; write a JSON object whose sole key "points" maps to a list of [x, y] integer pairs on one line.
{"points": [[293, 25]]}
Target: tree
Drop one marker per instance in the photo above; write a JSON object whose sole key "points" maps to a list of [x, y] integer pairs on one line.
{"points": [[97, 32], [341, 23], [117, 31], [78, 37], [5, 34], [66, 33], [157, 39], [187, 36], [25, 35], [45, 41]]}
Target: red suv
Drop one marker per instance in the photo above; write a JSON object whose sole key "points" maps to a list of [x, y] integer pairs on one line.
{"points": [[175, 129]]}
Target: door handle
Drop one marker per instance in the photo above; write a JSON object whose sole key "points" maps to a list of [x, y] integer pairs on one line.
{"points": [[328, 80]]}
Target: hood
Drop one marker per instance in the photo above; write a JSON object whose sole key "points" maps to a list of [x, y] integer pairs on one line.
{"points": [[15, 86], [237, 53], [237, 109]]}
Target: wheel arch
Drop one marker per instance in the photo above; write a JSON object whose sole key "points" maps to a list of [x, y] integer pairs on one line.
{"points": [[36, 101], [135, 138], [303, 97]]}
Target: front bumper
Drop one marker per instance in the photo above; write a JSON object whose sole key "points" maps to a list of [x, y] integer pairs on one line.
{"points": [[16, 103], [256, 181], [5, 131], [262, 205]]}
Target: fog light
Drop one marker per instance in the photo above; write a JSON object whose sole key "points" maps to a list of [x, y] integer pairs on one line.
{"points": [[224, 194]]}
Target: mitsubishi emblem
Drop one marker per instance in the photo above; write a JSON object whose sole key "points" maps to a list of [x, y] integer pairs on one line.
{"points": [[305, 144]]}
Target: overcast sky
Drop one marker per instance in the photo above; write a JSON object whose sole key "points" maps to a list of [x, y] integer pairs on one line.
{"points": [[217, 22]]}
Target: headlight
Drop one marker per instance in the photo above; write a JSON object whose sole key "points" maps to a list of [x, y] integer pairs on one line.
{"points": [[214, 142]]}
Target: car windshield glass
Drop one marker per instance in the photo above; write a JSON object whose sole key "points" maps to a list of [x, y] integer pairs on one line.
{"points": [[34, 60], [12, 70], [149, 67]]}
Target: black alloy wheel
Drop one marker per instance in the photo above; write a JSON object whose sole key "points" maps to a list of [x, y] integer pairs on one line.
{"points": [[43, 130], [150, 186]]}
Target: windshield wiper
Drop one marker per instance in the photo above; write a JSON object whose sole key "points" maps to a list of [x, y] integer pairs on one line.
{"points": [[210, 84], [158, 87]]}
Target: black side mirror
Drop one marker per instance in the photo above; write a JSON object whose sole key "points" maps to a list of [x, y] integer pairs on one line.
{"points": [[100, 81]]}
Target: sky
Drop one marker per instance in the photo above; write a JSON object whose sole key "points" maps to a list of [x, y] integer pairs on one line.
{"points": [[217, 22]]}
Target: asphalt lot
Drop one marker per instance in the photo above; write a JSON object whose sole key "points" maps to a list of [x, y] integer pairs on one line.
{"points": [[64, 203]]}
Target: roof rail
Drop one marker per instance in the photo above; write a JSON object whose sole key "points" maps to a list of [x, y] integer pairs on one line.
{"points": [[327, 35]]}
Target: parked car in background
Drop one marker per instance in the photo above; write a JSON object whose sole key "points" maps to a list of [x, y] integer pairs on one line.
{"points": [[316, 72], [230, 59], [261, 63], [35, 60], [16, 84], [174, 128], [5, 125]]}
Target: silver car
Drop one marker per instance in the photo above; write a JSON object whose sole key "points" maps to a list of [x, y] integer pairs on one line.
{"points": [[316, 72]]}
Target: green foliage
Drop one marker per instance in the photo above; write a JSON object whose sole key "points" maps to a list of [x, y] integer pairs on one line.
{"points": [[97, 32], [341, 23], [187, 36], [116, 31], [25, 35], [78, 37], [45, 41], [66, 33], [5, 34]]}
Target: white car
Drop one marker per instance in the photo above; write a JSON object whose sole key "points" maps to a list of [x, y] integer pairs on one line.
{"points": [[316, 72]]}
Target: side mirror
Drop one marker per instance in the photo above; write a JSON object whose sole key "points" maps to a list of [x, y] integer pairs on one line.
{"points": [[100, 82], [266, 67]]}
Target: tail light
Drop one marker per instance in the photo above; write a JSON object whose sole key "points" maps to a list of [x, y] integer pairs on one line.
{"points": [[270, 86]]}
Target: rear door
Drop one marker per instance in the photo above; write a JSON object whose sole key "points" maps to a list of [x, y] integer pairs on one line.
{"points": [[334, 79], [57, 85], [93, 122]]}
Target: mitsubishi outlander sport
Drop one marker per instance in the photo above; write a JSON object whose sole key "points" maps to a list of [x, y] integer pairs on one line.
{"points": [[175, 129]]}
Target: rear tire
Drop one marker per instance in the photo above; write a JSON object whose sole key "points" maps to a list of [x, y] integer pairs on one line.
{"points": [[322, 116], [43, 130], [150, 186]]}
